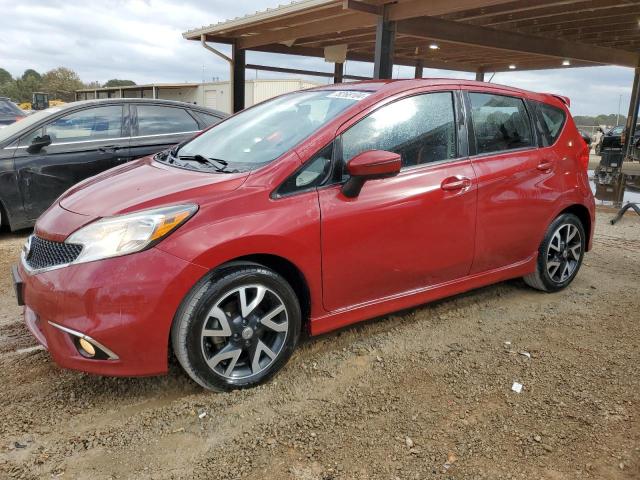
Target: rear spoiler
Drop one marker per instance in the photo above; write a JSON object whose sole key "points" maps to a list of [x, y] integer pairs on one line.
{"points": [[563, 99]]}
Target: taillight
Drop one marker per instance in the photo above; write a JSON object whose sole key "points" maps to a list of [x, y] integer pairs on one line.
{"points": [[584, 155]]}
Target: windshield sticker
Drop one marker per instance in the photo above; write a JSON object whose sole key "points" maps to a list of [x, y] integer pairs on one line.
{"points": [[349, 95]]}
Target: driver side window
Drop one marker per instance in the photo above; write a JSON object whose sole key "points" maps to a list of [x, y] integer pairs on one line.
{"points": [[420, 128], [98, 123]]}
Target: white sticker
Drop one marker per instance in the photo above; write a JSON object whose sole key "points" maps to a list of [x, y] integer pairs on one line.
{"points": [[349, 95]]}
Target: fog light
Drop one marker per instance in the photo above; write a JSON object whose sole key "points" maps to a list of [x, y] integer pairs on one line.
{"points": [[88, 349]]}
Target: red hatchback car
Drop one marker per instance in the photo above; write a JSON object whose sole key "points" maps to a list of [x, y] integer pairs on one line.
{"points": [[313, 210]]}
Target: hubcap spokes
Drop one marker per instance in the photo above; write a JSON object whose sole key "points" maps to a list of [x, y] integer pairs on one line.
{"points": [[563, 254], [244, 331]]}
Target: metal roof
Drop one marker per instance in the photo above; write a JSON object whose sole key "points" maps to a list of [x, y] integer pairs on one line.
{"points": [[471, 35]]}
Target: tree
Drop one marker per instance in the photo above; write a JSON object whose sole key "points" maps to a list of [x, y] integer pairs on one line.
{"points": [[61, 83], [5, 76], [30, 72], [119, 83]]}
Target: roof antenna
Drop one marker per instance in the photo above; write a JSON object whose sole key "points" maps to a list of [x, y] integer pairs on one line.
{"points": [[492, 75]]}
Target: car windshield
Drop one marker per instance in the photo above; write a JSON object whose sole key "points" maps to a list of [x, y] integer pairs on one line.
{"points": [[9, 108], [616, 131], [261, 134], [27, 122]]}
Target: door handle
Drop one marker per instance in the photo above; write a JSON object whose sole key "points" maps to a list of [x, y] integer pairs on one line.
{"points": [[545, 165], [109, 148], [455, 183]]}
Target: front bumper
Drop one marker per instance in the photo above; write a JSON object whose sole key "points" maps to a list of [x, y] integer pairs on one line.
{"points": [[126, 304]]}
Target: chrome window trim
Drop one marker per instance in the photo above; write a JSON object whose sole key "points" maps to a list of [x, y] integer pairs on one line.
{"points": [[107, 139], [165, 134], [110, 353]]}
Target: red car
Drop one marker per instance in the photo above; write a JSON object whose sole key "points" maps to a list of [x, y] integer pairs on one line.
{"points": [[311, 211]]}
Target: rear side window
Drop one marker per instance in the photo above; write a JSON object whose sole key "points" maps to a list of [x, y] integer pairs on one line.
{"points": [[550, 121], [500, 123], [158, 120], [420, 128]]}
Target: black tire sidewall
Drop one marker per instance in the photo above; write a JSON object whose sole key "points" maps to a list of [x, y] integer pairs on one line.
{"points": [[196, 314], [566, 218]]}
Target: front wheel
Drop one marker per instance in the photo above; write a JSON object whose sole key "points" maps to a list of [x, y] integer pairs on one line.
{"points": [[237, 329], [560, 255]]}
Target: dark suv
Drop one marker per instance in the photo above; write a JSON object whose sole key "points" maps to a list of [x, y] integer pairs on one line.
{"points": [[49, 151], [9, 112]]}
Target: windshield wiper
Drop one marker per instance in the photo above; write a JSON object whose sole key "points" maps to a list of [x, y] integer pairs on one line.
{"points": [[212, 162]]}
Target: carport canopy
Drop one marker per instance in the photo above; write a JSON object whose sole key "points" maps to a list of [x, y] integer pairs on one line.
{"points": [[462, 35]]}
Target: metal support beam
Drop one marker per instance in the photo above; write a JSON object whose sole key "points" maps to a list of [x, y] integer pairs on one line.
{"points": [[297, 71], [475, 35], [385, 40], [419, 69], [480, 75], [632, 117], [238, 78], [338, 72]]}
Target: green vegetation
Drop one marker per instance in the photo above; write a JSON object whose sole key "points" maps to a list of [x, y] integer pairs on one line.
{"points": [[609, 120], [60, 83], [119, 83]]}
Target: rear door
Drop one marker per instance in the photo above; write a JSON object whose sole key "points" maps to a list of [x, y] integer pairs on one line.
{"points": [[83, 143], [158, 127], [510, 169], [408, 232]]}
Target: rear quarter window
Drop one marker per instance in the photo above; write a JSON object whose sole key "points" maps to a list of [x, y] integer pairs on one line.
{"points": [[550, 121]]}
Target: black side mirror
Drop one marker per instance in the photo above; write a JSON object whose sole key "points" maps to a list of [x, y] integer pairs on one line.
{"points": [[39, 143]]}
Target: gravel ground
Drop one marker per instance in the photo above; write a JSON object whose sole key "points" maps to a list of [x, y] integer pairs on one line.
{"points": [[424, 393]]}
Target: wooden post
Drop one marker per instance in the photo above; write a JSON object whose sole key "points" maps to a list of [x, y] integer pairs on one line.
{"points": [[480, 75], [239, 68], [632, 117], [419, 69], [385, 40], [338, 73]]}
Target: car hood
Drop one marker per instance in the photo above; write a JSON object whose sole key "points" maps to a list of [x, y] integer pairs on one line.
{"points": [[145, 184]]}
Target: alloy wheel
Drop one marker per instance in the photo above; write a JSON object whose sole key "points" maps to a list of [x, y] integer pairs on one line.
{"points": [[244, 331], [564, 253]]}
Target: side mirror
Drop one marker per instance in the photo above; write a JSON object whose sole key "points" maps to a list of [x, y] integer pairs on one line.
{"points": [[370, 165], [39, 143]]}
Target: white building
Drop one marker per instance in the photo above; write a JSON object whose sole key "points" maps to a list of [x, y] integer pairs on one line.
{"points": [[216, 95]]}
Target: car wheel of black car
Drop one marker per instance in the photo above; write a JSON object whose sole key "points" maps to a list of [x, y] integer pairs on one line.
{"points": [[560, 254], [237, 328]]}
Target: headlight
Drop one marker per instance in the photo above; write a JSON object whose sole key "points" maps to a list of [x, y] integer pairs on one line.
{"points": [[115, 236]]}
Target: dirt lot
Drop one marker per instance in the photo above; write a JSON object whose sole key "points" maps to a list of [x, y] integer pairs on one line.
{"points": [[421, 394]]}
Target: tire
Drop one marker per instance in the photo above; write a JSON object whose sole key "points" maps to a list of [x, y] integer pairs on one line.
{"points": [[237, 329], [560, 254]]}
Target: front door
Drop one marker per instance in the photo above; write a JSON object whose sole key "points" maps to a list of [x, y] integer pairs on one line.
{"points": [[83, 144], [408, 232]]}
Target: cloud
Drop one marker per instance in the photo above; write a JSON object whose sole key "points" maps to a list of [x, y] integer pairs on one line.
{"points": [[142, 40]]}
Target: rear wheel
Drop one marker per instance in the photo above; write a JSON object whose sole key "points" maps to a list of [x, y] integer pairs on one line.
{"points": [[560, 254], [237, 329]]}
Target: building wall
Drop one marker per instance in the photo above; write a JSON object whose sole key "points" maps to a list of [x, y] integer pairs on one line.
{"points": [[213, 95]]}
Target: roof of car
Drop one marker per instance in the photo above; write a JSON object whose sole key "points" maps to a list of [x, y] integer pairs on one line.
{"points": [[390, 87], [139, 100]]}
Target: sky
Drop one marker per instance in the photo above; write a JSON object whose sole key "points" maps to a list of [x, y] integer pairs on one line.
{"points": [[141, 40]]}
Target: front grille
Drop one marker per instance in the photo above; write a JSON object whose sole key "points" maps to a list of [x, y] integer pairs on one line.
{"points": [[45, 253]]}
